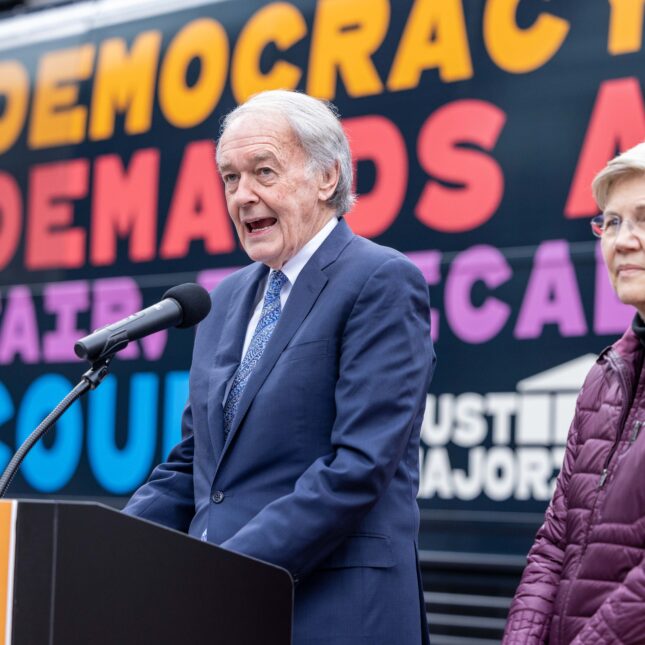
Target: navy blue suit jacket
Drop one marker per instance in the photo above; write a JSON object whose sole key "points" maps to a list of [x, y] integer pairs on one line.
{"points": [[319, 473]]}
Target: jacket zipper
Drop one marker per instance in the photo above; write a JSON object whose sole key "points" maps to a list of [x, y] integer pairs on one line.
{"points": [[637, 428], [621, 425], [605, 471], [611, 358]]}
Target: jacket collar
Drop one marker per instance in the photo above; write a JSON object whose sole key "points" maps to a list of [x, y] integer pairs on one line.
{"points": [[227, 356], [625, 356], [304, 294]]}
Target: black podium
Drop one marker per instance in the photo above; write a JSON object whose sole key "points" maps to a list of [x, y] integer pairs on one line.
{"points": [[80, 573]]}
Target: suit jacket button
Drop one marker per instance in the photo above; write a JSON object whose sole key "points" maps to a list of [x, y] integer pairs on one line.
{"points": [[217, 497]]}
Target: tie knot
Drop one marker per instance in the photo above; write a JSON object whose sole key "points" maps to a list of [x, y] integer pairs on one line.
{"points": [[277, 280]]}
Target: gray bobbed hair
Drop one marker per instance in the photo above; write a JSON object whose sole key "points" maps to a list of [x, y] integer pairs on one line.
{"points": [[317, 128], [628, 164]]}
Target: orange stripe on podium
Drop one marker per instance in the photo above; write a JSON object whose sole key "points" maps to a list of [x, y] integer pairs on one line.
{"points": [[7, 541]]}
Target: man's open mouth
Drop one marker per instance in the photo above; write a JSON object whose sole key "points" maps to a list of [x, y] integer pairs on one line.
{"points": [[260, 224]]}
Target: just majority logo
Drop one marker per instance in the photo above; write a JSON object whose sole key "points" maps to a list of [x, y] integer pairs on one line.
{"points": [[500, 445]]}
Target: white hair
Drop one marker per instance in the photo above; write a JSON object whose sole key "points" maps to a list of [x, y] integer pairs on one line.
{"points": [[317, 128], [628, 164]]}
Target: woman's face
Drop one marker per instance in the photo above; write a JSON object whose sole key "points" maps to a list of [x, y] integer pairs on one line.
{"points": [[624, 252]]}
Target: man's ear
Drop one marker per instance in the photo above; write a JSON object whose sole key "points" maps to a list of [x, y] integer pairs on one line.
{"points": [[328, 182]]}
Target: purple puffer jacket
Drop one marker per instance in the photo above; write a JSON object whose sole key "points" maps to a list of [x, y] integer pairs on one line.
{"points": [[585, 578]]}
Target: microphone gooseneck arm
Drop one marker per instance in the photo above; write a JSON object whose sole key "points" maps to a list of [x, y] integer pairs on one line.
{"points": [[90, 380], [182, 306]]}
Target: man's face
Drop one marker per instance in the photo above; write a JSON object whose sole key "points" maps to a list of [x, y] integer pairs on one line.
{"points": [[276, 203], [624, 254]]}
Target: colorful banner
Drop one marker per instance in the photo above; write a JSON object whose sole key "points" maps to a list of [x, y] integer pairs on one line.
{"points": [[476, 128]]}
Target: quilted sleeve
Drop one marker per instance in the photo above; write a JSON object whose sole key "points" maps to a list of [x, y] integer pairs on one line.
{"points": [[531, 611]]}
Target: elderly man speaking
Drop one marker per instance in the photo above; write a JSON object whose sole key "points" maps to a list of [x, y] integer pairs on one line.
{"points": [[307, 388]]}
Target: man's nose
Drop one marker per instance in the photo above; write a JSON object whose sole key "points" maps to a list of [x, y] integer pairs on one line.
{"points": [[245, 194]]}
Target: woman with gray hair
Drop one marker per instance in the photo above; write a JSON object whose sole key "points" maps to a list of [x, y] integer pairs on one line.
{"points": [[585, 578]]}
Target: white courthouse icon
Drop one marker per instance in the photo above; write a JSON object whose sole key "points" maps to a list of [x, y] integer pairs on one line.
{"points": [[547, 402]]}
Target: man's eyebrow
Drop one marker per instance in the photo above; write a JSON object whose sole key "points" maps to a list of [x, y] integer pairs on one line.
{"points": [[266, 155], [255, 159]]}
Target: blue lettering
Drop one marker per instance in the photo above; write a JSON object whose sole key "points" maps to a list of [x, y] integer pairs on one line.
{"points": [[121, 470], [49, 469], [6, 414]]}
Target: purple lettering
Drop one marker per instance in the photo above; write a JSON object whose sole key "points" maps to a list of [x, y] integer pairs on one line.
{"points": [[210, 278], [19, 332], [117, 298], [552, 294], [478, 264], [114, 299], [65, 300]]}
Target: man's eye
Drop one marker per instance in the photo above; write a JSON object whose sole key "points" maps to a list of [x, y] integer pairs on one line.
{"points": [[229, 178], [265, 172]]}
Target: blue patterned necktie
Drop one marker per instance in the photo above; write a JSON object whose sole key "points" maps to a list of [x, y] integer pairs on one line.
{"points": [[268, 320]]}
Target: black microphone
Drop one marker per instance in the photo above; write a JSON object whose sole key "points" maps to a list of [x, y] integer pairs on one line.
{"points": [[182, 306]]}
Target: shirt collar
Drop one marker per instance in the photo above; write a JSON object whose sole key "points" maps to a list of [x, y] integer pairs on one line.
{"points": [[296, 264], [639, 328]]}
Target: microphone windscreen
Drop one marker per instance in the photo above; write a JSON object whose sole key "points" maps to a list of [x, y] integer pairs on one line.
{"points": [[193, 300]]}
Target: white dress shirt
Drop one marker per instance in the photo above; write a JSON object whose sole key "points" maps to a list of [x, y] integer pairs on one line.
{"points": [[291, 269]]}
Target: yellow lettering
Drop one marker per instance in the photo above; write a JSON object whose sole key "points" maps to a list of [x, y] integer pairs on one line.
{"points": [[14, 85], [345, 35], [56, 118], [279, 23], [625, 26], [434, 36], [124, 82], [518, 50], [185, 106]]}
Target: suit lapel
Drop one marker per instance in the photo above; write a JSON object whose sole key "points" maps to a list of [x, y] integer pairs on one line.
{"points": [[227, 357], [306, 290]]}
